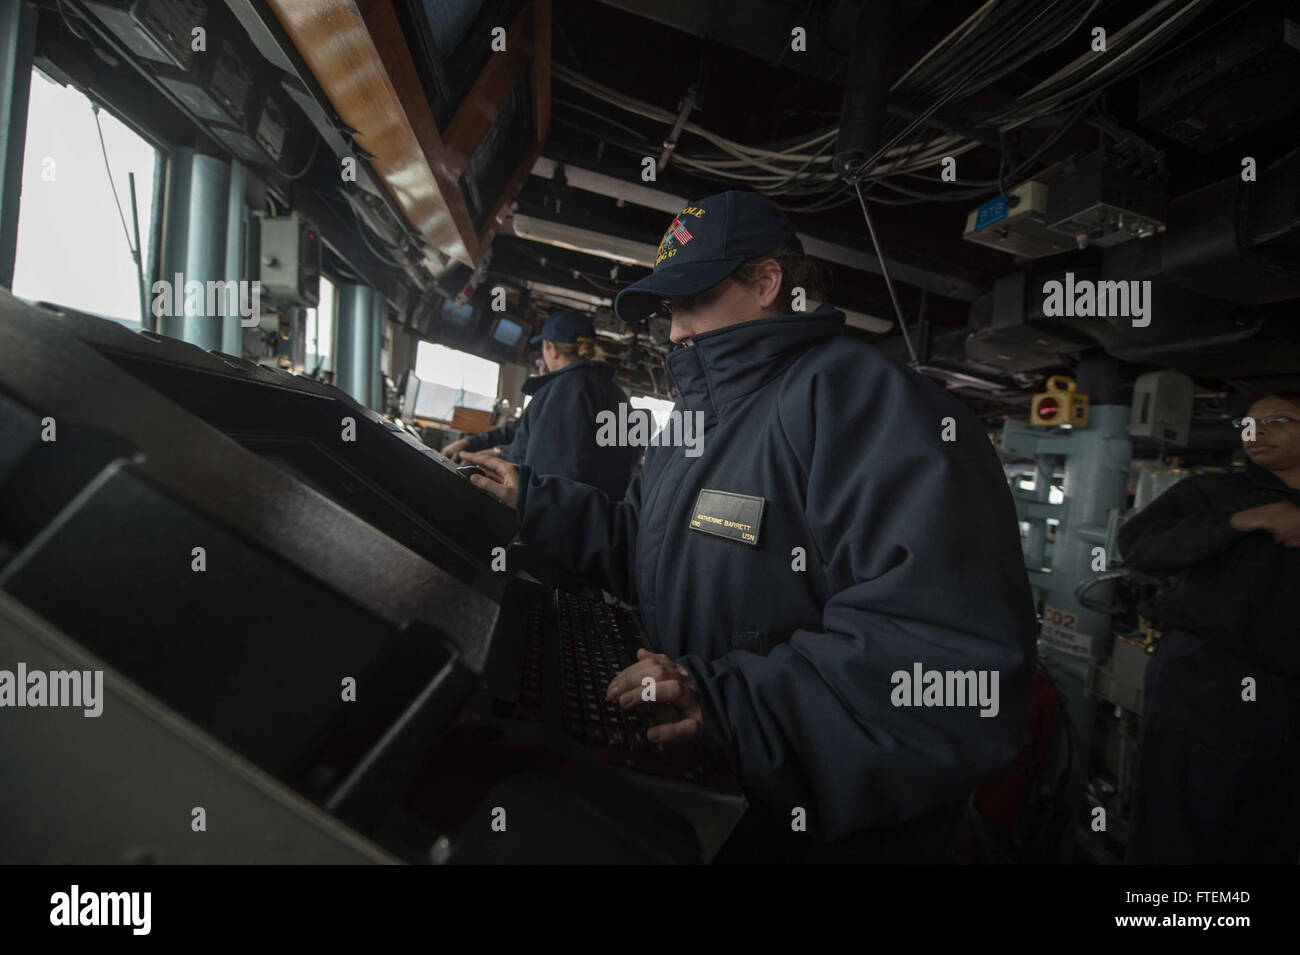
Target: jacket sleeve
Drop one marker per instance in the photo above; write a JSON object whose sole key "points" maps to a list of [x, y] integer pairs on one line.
{"points": [[1180, 528], [917, 538], [494, 438], [581, 529]]}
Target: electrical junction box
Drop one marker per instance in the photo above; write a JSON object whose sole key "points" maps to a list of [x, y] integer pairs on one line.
{"points": [[1016, 223], [157, 30], [1230, 82], [272, 127], [289, 255], [221, 87], [1109, 196], [1162, 407]]}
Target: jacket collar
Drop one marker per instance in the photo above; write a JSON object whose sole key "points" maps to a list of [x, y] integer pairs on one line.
{"points": [[536, 382], [729, 363], [1263, 477]]}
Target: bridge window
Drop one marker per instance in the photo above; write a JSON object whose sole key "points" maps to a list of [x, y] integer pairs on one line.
{"points": [[320, 331], [449, 378], [72, 247]]}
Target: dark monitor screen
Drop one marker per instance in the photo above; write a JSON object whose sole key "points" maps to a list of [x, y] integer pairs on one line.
{"points": [[441, 35], [457, 316], [508, 332], [449, 21], [493, 161]]}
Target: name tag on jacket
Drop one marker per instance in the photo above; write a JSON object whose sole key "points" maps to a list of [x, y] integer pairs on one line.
{"points": [[737, 517]]}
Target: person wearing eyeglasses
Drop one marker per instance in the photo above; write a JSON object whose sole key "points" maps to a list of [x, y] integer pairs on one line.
{"points": [[1219, 763], [842, 534]]}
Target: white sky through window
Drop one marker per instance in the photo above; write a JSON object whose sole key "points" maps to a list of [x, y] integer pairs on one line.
{"points": [[72, 249], [320, 329], [456, 369], [449, 378]]}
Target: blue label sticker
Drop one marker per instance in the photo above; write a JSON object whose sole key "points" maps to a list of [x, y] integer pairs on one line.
{"points": [[995, 210]]}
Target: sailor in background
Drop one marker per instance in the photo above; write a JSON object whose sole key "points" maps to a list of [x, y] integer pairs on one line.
{"points": [[823, 540], [557, 432], [1219, 765]]}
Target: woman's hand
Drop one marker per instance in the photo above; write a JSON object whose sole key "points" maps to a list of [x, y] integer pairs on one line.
{"points": [[453, 450], [1280, 519], [502, 481], [672, 684]]}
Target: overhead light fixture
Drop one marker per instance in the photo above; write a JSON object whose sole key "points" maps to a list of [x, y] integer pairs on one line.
{"points": [[569, 295], [583, 240]]}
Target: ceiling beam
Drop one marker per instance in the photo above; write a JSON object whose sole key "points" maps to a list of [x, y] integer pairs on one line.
{"points": [[903, 267]]}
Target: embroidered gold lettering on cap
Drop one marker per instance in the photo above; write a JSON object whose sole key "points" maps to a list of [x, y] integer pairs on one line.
{"points": [[677, 234], [737, 517]]}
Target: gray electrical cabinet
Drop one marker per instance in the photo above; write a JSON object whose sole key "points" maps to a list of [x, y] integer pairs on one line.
{"points": [[289, 260], [1162, 407]]}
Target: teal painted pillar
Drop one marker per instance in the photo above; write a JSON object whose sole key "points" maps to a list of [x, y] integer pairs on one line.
{"points": [[17, 43], [197, 210], [357, 343], [237, 223]]}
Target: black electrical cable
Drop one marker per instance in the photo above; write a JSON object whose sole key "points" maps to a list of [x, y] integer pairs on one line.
{"points": [[315, 148], [966, 54], [713, 155], [1029, 53], [1002, 163], [378, 253], [1034, 46], [68, 23], [1020, 170], [1013, 52], [1157, 57], [882, 201], [986, 183], [567, 104], [795, 176], [1051, 140], [954, 195], [956, 87], [1141, 61], [1033, 28], [629, 147]]}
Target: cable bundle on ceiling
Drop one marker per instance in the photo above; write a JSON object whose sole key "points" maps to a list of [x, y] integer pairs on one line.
{"points": [[999, 38]]}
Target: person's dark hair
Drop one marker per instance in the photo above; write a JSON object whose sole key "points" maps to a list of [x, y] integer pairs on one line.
{"points": [[798, 270], [1293, 397]]}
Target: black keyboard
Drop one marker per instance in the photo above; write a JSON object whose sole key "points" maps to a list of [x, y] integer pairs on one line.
{"points": [[530, 674], [590, 641], [598, 640]]}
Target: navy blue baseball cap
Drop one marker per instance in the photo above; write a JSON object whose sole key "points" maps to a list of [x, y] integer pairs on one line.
{"points": [[566, 325], [707, 241]]}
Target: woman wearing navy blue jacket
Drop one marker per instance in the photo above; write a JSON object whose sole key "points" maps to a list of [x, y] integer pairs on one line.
{"points": [[557, 433], [832, 585]]}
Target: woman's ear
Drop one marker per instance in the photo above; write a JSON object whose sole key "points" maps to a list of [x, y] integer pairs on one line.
{"points": [[767, 284]]}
